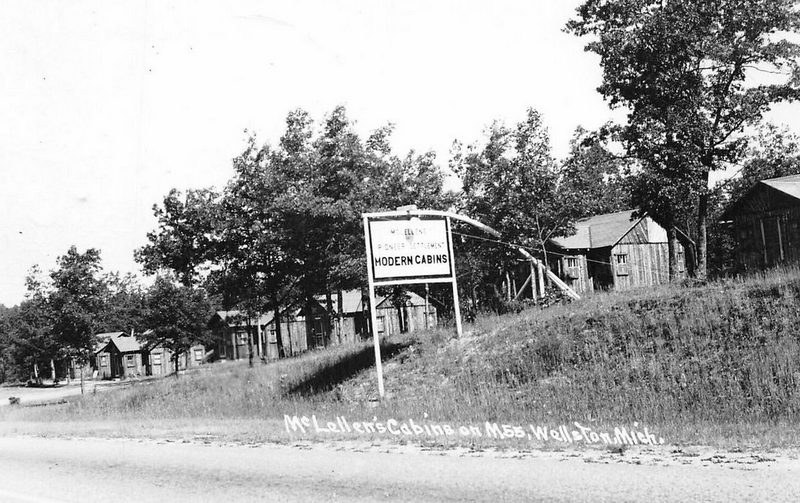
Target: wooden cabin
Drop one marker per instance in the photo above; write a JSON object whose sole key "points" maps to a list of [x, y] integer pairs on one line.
{"points": [[614, 251], [407, 314], [766, 223], [122, 356], [233, 328]]}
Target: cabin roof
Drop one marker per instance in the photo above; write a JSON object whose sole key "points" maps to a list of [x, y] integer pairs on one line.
{"points": [[788, 185], [102, 340], [351, 301], [124, 343], [236, 318], [599, 231]]}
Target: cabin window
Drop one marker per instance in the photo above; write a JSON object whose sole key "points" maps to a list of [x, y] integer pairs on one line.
{"points": [[621, 263], [571, 267], [242, 337], [273, 336], [198, 354], [104, 360], [130, 361], [381, 324], [156, 358], [681, 261]]}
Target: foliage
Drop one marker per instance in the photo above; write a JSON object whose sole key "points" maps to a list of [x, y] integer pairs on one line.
{"points": [[185, 237], [774, 152], [682, 70], [593, 178], [512, 183], [288, 224], [177, 317], [76, 300]]}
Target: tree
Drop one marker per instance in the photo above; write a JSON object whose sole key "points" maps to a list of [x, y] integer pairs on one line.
{"points": [[76, 302], [184, 241], [593, 178], [123, 304], [29, 330], [177, 316], [682, 69], [513, 184], [253, 270]]}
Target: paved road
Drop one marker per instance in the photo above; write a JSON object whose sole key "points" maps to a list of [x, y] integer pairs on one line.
{"points": [[38, 470]]}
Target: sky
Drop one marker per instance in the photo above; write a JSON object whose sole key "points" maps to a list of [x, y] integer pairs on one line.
{"points": [[107, 105]]}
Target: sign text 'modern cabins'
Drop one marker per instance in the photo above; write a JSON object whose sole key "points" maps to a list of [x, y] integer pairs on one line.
{"points": [[410, 248]]}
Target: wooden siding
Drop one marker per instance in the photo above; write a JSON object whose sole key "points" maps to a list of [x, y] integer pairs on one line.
{"points": [[646, 264], [768, 238], [637, 235]]}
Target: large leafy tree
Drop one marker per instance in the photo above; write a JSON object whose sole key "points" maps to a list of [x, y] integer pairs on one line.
{"points": [[76, 302], [177, 317], [31, 343], [511, 183], [187, 233], [685, 71], [593, 178]]}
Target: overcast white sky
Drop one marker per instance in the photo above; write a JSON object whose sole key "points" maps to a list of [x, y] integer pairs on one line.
{"points": [[106, 105]]}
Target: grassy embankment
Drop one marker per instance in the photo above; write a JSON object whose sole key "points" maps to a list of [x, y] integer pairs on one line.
{"points": [[713, 364]]}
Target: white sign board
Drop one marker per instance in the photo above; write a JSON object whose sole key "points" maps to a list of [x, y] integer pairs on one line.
{"points": [[410, 249], [404, 248]]}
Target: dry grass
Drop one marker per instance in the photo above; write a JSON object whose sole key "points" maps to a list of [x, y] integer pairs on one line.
{"points": [[713, 364]]}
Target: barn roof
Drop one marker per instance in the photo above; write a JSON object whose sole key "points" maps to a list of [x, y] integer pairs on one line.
{"points": [[600, 231]]}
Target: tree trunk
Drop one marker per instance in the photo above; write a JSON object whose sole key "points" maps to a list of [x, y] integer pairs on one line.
{"points": [[82, 380], [249, 343], [339, 315], [52, 370], [328, 311], [546, 266], [672, 249], [176, 363], [702, 230], [278, 336], [309, 316]]}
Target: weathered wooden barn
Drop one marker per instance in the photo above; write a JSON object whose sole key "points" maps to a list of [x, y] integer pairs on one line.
{"points": [[766, 223], [394, 315], [615, 251]]}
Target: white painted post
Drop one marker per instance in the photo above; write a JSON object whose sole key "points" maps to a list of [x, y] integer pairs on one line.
{"points": [[456, 303], [427, 305], [541, 278], [373, 316]]}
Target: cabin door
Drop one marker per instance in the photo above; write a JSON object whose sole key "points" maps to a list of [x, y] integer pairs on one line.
{"points": [[116, 364]]}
